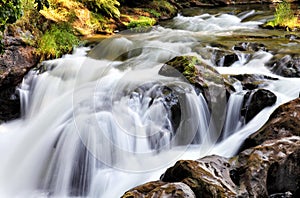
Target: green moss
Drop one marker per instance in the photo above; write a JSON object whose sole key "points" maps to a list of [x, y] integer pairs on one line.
{"points": [[153, 12], [142, 21], [57, 41]]}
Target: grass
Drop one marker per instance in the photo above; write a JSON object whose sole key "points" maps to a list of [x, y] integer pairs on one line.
{"points": [[284, 17]]}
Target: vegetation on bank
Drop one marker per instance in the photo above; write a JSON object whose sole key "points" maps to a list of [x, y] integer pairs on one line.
{"points": [[54, 27], [284, 17]]}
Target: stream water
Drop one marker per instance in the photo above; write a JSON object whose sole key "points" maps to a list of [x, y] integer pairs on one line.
{"points": [[96, 124]]}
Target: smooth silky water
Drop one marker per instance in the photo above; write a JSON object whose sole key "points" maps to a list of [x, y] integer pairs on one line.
{"points": [[93, 124]]}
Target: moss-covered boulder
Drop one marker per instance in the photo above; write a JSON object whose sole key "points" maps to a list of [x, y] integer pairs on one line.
{"points": [[202, 76]]}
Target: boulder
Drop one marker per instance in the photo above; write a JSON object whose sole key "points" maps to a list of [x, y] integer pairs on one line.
{"points": [[255, 101], [253, 166], [283, 122], [160, 189], [270, 169], [207, 177]]}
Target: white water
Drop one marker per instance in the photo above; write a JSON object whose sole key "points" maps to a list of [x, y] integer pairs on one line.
{"points": [[96, 128]]}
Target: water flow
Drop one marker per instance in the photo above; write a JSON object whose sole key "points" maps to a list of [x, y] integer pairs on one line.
{"points": [[96, 126]]}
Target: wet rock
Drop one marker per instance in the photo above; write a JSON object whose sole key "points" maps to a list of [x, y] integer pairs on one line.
{"points": [[169, 95], [255, 101], [250, 81], [250, 47], [257, 164], [283, 122], [15, 62], [160, 189], [223, 58], [196, 72], [207, 177], [287, 66]]}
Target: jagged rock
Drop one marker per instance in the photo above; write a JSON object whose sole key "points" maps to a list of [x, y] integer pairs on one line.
{"points": [[283, 122], [253, 166], [160, 189], [224, 58], [287, 66], [207, 177], [255, 101], [15, 62]]}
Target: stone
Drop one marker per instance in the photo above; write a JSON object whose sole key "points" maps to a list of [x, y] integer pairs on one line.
{"points": [[256, 164], [160, 189], [255, 101], [283, 122], [286, 66], [207, 177]]}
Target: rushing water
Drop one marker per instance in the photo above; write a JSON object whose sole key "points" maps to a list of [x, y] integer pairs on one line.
{"points": [[97, 125]]}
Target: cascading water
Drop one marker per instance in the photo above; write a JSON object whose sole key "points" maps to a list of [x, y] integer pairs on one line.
{"points": [[96, 126]]}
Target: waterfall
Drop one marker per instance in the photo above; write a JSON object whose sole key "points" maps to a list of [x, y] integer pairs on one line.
{"points": [[102, 120]]}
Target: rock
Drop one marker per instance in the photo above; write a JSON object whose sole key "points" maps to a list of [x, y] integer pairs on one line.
{"points": [[285, 176], [15, 62], [287, 66], [283, 122], [207, 177], [204, 77], [160, 189], [250, 81], [255, 101], [223, 58], [256, 164], [250, 47], [270, 169]]}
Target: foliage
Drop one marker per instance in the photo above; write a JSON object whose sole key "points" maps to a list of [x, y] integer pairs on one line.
{"points": [[284, 16], [57, 41], [10, 11], [106, 7], [41, 4], [142, 21]]}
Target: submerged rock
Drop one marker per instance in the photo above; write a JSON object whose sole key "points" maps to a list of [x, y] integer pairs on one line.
{"points": [[283, 122], [255, 101], [287, 66]]}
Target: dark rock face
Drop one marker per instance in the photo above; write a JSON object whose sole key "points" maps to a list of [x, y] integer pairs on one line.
{"points": [[283, 122], [287, 66], [256, 101], [15, 62]]}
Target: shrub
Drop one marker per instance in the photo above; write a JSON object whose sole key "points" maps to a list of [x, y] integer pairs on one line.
{"points": [[57, 41], [10, 11]]}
